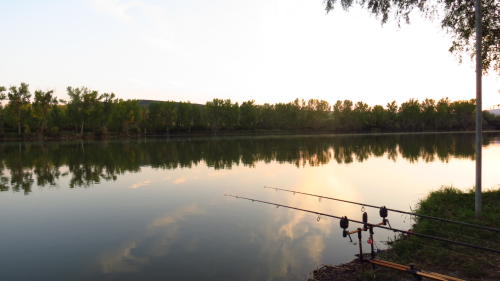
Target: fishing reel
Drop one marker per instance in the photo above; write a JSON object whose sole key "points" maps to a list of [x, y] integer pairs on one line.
{"points": [[384, 213]]}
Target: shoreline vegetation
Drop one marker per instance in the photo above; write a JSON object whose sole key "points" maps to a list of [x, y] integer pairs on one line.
{"points": [[243, 133], [456, 261], [88, 114], [27, 164]]}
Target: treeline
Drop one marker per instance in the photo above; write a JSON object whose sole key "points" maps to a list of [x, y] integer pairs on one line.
{"points": [[84, 163], [88, 112]]}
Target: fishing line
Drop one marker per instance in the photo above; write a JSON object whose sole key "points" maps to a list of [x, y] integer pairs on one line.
{"points": [[393, 210], [367, 224]]}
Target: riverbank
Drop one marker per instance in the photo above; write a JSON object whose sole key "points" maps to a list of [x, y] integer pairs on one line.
{"points": [[435, 256], [91, 136]]}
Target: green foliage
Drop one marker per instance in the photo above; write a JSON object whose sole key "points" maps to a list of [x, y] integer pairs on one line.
{"points": [[215, 113], [451, 203], [54, 130], [43, 102], [2, 95], [457, 18], [196, 116], [83, 103], [125, 115], [248, 114], [19, 101], [183, 116], [89, 114]]}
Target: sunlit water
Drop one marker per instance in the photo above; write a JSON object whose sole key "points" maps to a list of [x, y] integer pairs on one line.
{"points": [[154, 209]]}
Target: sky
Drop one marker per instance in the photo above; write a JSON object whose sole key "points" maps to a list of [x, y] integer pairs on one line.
{"points": [[264, 50]]}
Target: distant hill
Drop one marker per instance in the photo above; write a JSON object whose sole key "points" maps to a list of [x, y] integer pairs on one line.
{"points": [[495, 111], [148, 102]]}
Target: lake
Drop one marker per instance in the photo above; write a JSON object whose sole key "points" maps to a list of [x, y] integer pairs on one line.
{"points": [[154, 209]]}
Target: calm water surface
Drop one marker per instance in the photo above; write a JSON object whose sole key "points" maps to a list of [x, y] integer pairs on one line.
{"points": [[154, 209]]}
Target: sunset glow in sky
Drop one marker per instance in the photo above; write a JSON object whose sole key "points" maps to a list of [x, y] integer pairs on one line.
{"points": [[269, 51]]}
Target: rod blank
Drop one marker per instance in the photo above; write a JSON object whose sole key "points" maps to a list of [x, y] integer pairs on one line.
{"points": [[368, 224], [393, 210]]}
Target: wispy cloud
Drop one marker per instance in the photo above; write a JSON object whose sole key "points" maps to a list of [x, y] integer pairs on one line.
{"points": [[139, 184], [115, 8], [140, 82], [181, 180]]}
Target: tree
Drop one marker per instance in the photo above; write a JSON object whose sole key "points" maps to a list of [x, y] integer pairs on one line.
{"points": [[167, 112], [409, 114], [106, 109], [2, 95], [183, 115], [442, 116], [73, 111], [463, 113], [83, 102], [125, 113], [378, 118], [144, 116], [231, 114], [392, 116], [43, 102], [428, 109], [19, 99], [361, 115], [248, 114], [91, 101], [155, 120], [215, 113], [57, 117], [195, 115], [267, 116], [460, 19]]}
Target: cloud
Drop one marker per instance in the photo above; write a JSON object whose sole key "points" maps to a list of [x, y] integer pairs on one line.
{"points": [[115, 9], [121, 260], [140, 82], [181, 180], [142, 183], [156, 242]]}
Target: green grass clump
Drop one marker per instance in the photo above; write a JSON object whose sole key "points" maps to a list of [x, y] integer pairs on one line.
{"points": [[446, 258]]}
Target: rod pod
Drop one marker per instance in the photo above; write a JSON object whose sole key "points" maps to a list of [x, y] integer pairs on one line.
{"points": [[360, 250]]}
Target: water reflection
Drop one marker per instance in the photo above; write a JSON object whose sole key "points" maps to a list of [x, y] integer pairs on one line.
{"points": [[89, 162], [159, 211]]}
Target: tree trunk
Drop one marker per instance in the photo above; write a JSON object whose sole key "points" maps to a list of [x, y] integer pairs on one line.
{"points": [[19, 120], [479, 73], [83, 120]]}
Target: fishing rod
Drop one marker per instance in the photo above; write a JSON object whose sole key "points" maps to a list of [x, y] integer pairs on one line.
{"points": [[383, 208], [367, 225]]}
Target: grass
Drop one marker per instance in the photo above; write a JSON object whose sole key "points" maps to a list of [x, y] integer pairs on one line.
{"points": [[446, 258]]}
